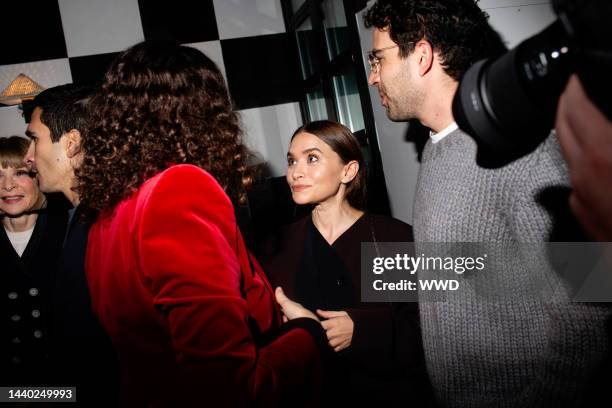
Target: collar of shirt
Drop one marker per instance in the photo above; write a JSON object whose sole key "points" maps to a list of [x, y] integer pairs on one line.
{"points": [[436, 137]]}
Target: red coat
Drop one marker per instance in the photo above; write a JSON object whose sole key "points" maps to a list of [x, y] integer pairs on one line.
{"points": [[170, 281]]}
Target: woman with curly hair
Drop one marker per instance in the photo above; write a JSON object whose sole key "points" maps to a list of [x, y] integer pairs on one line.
{"points": [[191, 315]]}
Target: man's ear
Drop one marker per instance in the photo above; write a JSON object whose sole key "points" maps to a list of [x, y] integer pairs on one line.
{"points": [[425, 56], [350, 171], [72, 143]]}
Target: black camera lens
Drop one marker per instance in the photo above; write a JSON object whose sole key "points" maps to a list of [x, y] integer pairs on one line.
{"points": [[508, 105]]}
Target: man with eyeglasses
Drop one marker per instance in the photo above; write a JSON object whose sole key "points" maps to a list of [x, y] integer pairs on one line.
{"points": [[514, 352]]}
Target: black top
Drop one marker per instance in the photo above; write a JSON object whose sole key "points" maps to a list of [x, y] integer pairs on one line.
{"points": [[82, 353], [27, 289], [385, 361], [322, 280]]}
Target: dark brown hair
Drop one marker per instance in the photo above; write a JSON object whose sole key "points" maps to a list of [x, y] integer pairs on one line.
{"points": [[456, 29], [12, 151], [160, 104], [345, 144], [63, 108]]}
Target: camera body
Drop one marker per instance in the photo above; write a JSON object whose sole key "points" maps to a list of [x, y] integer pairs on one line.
{"points": [[508, 104]]}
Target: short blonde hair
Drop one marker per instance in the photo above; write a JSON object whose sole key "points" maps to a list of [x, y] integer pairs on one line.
{"points": [[13, 151]]}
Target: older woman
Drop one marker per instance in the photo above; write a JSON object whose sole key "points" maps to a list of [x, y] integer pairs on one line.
{"points": [[30, 244], [316, 262], [192, 317]]}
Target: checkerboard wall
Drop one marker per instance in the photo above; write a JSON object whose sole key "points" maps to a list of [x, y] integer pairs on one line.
{"points": [[76, 40]]}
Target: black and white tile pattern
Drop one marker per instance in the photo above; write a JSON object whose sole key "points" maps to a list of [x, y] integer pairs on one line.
{"points": [[77, 39]]}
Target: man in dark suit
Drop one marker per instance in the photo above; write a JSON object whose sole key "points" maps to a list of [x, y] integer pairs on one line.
{"points": [[82, 351]]}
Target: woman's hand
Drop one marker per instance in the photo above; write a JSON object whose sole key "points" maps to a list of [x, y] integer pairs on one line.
{"points": [[339, 329], [292, 310]]}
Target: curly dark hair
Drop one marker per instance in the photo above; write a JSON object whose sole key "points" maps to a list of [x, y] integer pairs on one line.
{"points": [[458, 30], [160, 104]]}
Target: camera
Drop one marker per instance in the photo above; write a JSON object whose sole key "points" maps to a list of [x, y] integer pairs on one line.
{"points": [[508, 104]]}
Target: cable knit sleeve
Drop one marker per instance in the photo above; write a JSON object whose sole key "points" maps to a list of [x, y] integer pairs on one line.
{"points": [[576, 341]]}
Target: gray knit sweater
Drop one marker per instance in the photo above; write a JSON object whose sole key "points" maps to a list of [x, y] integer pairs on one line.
{"points": [[501, 354]]}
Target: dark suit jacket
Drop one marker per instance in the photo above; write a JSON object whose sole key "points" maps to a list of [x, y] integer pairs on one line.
{"points": [[27, 289], [83, 354]]}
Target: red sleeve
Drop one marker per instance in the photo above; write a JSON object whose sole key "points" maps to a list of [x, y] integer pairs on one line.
{"points": [[187, 249]]}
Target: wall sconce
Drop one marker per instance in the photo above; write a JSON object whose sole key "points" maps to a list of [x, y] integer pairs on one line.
{"points": [[23, 88]]}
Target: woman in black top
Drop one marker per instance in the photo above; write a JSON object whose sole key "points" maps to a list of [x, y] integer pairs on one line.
{"points": [[316, 262], [30, 244]]}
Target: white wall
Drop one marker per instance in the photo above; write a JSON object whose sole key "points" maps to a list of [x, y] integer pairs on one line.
{"points": [[515, 20], [11, 121], [46, 73]]}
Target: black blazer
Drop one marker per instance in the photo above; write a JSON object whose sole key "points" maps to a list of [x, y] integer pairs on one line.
{"points": [[83, 353], [27, 290]]}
